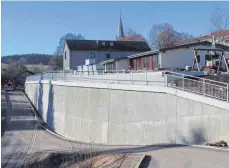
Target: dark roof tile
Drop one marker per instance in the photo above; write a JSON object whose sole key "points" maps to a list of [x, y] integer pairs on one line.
{"points": [[98, 45]]}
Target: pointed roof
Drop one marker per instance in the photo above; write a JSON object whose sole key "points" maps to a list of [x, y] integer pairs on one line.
{"points": [[120, 29]]}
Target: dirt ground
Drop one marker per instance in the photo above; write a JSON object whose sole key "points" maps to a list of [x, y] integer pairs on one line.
{"points": [[73, 160]]}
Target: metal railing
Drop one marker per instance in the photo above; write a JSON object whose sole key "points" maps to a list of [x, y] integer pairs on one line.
{"points": [[120, 77], [203, 86], [181, 81]]}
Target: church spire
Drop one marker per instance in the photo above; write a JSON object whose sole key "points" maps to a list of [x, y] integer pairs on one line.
{"points": [[120, 29]]}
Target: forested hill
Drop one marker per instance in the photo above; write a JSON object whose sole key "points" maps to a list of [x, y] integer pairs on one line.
{"points": [[28, 58]]}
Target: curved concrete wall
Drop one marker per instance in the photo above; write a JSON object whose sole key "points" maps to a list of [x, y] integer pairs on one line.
{"points": [[129, 114]]}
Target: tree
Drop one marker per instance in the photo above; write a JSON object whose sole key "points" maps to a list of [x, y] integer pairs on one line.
{"points": [[163, 36], [9, 61], [67, 36], [22, 60], [220, 24], [27, 58], [13, 69], [183, 35], [220, 19], [56, 63], [133, 36]]}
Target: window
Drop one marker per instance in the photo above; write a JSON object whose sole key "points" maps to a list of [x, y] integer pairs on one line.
{"points": [[65, 55], [91, 55], [108, 55], [210, 57], [111, 43], [103, 43], [138, 63], [146, 62], [207, 57]]}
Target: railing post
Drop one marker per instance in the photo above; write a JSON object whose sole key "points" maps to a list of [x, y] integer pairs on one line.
{"points": [[183, 81], [116, 77], [227, 93], [203, 86]]}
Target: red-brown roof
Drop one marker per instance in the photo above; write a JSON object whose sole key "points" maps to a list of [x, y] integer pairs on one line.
{"points": [[224, 33]]}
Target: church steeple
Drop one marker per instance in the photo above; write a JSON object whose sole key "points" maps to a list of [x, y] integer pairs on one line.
{"points": [[120, 29]]}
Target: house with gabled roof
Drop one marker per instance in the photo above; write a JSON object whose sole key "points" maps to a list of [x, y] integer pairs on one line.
{"points": [[81, 53], [77, 51], [177, 56]]}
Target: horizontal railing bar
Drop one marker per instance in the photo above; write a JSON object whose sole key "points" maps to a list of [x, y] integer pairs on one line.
{"points": [[197, 77], [180, 88], [205, 80]]}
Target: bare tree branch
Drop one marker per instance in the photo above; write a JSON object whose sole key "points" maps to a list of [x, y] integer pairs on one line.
{"points": [[133, 36], [220, 19], [67, 36], [163, 36], [56, 62]]}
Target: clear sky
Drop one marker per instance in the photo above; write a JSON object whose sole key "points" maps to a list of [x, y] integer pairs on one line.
{"points": [[36, 27]]}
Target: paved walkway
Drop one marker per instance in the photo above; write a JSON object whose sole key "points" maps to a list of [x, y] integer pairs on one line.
{"points": [[24, 136]]}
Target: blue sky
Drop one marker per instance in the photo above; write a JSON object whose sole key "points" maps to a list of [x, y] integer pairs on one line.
{"points": [[36, 27]]}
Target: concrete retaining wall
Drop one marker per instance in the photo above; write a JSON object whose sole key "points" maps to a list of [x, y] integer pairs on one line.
{"points": [[129, 114]]}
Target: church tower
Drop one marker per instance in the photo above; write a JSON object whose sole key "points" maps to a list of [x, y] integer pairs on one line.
{"points": [[120, 34]]}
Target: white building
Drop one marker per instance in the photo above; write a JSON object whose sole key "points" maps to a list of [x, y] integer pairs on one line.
{"points": [[77, 51], [178, 56]]}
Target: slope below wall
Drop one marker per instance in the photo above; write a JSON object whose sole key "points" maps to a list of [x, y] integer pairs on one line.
{"points": [[129, 114]]}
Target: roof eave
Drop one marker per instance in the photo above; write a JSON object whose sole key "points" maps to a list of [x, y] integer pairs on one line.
{"points": [[143, 54], [107, 61]]}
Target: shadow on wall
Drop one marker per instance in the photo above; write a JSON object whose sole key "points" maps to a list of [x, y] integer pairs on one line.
{"points": [[50, 110], [197, 137], [40, 96]]}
